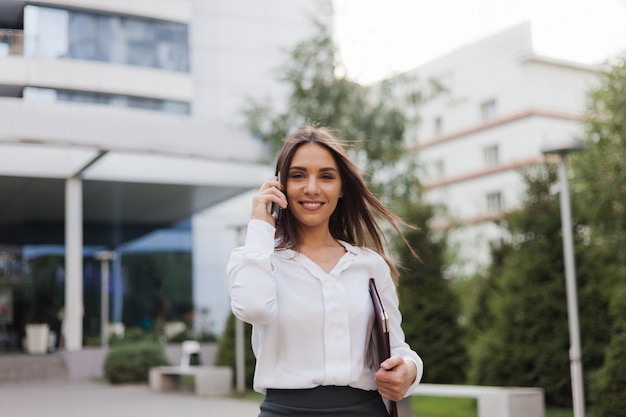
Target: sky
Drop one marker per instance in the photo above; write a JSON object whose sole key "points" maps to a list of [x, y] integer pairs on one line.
{"points": [[377, 38]]}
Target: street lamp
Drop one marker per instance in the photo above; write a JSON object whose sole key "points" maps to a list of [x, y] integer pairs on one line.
{"points": [[104, 257], [562, 149], [240, 361]]}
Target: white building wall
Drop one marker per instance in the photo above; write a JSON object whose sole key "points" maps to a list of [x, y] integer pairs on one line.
{"points": [[536, 100]]}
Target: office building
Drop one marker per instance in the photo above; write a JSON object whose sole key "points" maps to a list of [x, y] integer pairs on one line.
{"points": [[120, 124], [502, 103]]}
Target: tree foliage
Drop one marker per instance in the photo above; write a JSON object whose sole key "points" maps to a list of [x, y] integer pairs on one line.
{"points": [[428, 303], [523, 339], [599, 185], [600, 172]]}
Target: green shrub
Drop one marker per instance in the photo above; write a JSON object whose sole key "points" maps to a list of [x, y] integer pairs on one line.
{"points": [[133, 335], [188, 334], [132, 362]]}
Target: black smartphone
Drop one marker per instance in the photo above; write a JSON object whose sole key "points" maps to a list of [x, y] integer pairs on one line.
{"points": [[275, 210]]}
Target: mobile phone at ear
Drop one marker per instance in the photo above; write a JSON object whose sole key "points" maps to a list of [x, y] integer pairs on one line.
{"points": [[275, 210]]}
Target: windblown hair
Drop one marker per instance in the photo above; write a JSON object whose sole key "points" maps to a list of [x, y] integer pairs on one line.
{"points": [[353, 220]]}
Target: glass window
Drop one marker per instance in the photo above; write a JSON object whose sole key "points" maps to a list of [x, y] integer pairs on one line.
{"points": [[170, 39], [45, 32], [494, 202], [440, 169], [55, 33], [83, 36], [39, 94], [488, 110], [111, 39], [116, 100], [176, 107], [438, 126], [141, 45], [491, 155]]}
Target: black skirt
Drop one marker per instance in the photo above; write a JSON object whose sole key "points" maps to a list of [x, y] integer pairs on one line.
{"points": [[323, 401]]}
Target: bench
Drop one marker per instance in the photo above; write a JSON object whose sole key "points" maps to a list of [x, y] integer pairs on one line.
{"points": [[493, 401], [208, 380]]}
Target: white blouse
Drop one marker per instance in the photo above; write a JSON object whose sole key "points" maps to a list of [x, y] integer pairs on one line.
{"points": [[311, 328]]}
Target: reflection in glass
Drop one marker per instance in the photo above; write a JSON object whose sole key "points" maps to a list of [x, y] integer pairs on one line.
{"points": [[56, 33], [117, 100], [45, 32]]}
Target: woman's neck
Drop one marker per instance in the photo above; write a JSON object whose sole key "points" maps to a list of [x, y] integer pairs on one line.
{"points": [[314, 238]]}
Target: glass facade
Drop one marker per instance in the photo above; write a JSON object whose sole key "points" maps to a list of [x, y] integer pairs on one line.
{"points": [[118, 100], [149, 284], [56, 33]]}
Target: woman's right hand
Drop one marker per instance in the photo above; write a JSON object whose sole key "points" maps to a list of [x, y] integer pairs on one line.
{"points": [[270, 192]]}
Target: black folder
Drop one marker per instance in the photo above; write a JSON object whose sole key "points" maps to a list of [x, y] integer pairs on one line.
{"points": [[380, 334]]}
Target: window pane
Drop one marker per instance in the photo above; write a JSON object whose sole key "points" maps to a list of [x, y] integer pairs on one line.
{"points": [[111, 39], [45, 32], [491, 155], [55, 33], [83, 36], [171, 46], [488, 110], [494, 202], [141, 45]]}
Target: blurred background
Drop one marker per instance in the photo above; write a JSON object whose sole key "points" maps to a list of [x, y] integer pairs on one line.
{"points": [[133, 134]]}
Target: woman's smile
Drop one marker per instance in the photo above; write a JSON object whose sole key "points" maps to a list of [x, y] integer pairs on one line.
{"points": [[311, 206]]}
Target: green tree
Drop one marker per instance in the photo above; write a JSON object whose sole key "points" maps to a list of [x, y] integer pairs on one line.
{"points": [[599, 186], [600, 172], [526, 341], [430, 307], [609, 382], [524, 338]]}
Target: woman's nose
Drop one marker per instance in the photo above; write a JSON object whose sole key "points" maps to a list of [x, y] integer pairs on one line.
{"points": [[311, 185]]}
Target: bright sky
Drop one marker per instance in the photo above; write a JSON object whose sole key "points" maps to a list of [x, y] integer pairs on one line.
{"points": [[379, 37]]}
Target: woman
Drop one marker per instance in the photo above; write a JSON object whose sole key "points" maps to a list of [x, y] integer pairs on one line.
{"points": [[304, 288]]}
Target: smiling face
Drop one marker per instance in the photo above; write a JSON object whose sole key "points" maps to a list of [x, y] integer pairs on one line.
{"points": [[313, 185]]}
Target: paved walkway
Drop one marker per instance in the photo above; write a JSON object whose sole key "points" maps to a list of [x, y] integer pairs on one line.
{"points": [[92, 399]]}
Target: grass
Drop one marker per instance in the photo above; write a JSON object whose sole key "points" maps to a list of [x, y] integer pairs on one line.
{"points": [[426, 406]]}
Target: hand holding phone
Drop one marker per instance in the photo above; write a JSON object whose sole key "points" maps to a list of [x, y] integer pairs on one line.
{"points": [[274, 209]]}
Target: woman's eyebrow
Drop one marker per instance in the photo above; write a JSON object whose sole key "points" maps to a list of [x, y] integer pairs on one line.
{"points": [[325, 169]]}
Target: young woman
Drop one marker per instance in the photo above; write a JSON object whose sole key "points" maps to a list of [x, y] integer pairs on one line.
{"points": [[304, 287]]}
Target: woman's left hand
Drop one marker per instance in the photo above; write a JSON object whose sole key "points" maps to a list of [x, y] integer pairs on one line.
{"points": [[394, 377]]}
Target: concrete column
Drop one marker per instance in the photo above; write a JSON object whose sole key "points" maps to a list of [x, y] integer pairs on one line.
{"points": [[73, 317]]}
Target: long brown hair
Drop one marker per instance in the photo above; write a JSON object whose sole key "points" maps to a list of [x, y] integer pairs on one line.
{"points": [[353, 220]]}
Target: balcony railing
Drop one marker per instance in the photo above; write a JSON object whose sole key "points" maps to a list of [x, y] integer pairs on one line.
{"points": [[11, 42]]}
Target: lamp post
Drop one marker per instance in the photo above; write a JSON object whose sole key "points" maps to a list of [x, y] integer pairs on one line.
{"points": [[104, 257], [562, 150], [240, 362]]}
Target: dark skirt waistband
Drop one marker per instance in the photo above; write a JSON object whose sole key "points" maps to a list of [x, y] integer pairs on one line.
{"points": [[328, 396]]}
